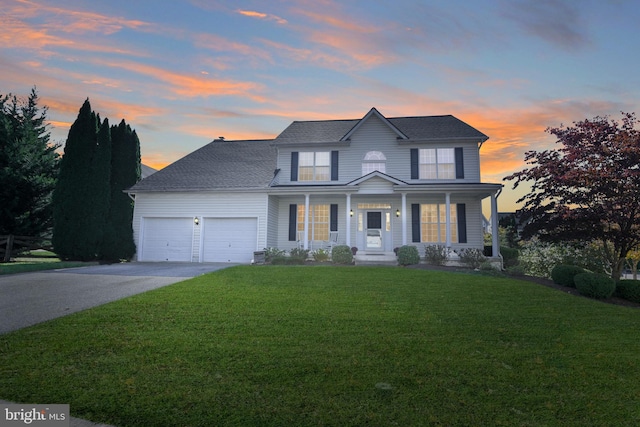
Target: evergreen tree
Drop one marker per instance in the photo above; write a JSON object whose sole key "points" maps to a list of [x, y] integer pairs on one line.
{"points": [[28, 167], [118, 241], [81, 197]]}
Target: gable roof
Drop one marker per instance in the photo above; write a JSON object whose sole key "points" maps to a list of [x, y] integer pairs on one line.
{"points": [[376, 113], [217, 165], [420, 128]]}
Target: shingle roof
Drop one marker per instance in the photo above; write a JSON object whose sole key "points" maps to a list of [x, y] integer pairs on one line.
{"points": [[217, 165], [415, 128]]}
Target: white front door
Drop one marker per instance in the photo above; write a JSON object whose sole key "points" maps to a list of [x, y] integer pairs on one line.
{"points": [[373, 232]]}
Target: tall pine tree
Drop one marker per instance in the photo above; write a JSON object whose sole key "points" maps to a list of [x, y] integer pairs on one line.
{"points": [[81, 197], [118, 243], [28, 167]]}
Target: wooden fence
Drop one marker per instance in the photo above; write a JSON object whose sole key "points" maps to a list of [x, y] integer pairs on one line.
{"points": [[12, 244]]}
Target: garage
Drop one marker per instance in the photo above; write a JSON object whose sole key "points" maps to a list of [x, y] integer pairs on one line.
{"points": [[167, 239], [229, 239]]}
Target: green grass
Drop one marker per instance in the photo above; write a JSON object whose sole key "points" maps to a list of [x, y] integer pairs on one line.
{"points": [[285, 346]]}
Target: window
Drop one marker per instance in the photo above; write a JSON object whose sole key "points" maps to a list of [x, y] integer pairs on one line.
{"points": [[433, 223], [318, 221], [314, 166], [373, 161], [437, 163]]}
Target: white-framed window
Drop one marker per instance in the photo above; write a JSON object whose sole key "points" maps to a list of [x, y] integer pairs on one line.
{"points": [[314, 166], [318, 221], [437, 163], [374, 161], [433, 223]]}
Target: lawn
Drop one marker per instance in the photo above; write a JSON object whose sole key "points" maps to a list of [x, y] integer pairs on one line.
{"points": [[38, 260], [281, 345]]}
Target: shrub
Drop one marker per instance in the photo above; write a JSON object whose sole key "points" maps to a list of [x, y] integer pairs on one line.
{"points": [[320, 255], [472, 257], [341, 254], [515, 270], [595, 285], [436, 254], [298, 256], [271, 253], [629, 290], [509, 256], [408, 255], [563, 274]]}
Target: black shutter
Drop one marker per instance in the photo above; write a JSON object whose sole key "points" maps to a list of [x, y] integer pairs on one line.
{"points": [[334, 166], [415, 222], [461, 212], [459, 163], [415, 170], [333, 218], [294, 166], [293, 222]]}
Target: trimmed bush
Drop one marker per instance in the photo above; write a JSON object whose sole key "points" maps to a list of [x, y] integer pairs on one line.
{"points": [[271, 253], [594, 285], [320, 255], [629, 290], [408, 255], [515, 270], [472, 257], [298, 256], [436, 254], [341, 254], [509, 256], [563, 274]]}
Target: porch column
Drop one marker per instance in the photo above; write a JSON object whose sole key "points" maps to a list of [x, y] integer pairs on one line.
{"points": [[348, 217], [495, 233], [305, 239], [404, 219], [447, 201]]}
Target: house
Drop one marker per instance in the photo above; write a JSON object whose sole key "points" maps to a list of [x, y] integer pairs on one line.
{"points": [[375, 183]]}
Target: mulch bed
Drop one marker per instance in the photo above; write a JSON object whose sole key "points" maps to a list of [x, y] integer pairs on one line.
{"points": [[537, 280]]}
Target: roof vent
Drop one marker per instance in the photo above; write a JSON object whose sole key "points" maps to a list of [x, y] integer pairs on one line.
{"points": [[219, 139]]}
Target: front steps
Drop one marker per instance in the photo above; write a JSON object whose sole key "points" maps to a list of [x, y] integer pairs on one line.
{"points": [[375, 258]]}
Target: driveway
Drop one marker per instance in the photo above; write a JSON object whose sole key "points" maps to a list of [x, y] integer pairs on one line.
{"points": [[30, 298]]}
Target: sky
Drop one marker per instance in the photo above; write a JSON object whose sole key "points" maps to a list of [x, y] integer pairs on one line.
{"points": [[183, 73]]}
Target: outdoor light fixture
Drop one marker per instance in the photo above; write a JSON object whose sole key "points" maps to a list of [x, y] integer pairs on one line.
{"points": [[351, 212], [398, 213], [196, 221]]}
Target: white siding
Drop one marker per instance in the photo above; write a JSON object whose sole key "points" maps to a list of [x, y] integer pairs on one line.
{"points": [[201, 205], [374, 135]]}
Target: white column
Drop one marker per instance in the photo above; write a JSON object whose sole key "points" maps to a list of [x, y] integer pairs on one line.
{"points": [[447, 201], [305, 239], [348, 216], [404, 219], [495, 232]]}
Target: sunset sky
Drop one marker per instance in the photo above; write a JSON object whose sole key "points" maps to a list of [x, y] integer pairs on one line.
{"points": [[185, 72]]}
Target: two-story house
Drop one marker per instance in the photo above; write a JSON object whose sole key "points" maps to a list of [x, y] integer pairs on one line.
{"points": [[375, 183]]}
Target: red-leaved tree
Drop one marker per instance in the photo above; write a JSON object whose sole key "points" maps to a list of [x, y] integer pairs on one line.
{"points": [[587, 189]]}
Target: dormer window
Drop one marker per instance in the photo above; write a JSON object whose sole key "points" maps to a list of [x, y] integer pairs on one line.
{"points": [[374, 161]]}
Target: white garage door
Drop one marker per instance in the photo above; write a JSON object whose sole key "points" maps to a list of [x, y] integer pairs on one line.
{"points": [[229, 239], [167, 239]]}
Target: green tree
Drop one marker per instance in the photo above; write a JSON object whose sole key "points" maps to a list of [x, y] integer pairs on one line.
{"points": [[28, 167], [81, 197], [118, 240]]}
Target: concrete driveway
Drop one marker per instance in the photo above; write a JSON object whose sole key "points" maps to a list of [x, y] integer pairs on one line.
{"points": [[30, 298]]}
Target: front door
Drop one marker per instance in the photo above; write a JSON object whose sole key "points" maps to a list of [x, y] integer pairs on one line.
{"points": [[374, 231]]}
